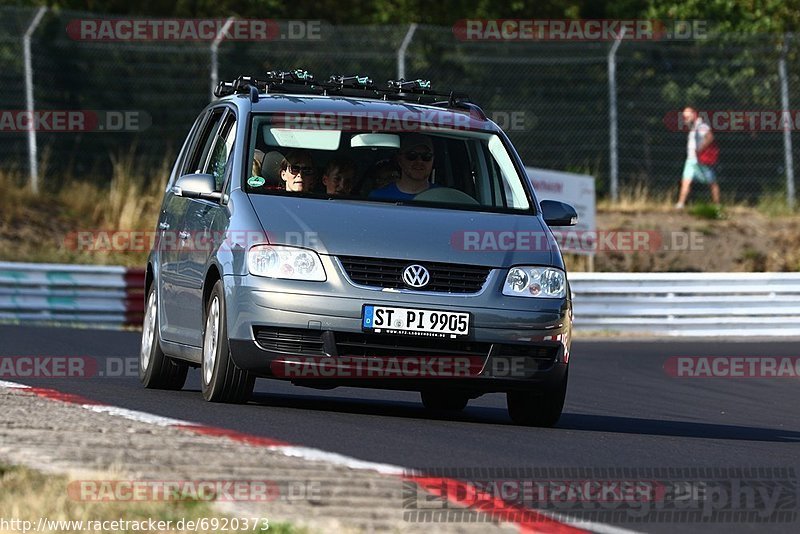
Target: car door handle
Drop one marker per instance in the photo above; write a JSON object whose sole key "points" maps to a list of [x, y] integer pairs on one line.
{"points": [[163, 225], [183, 235]]}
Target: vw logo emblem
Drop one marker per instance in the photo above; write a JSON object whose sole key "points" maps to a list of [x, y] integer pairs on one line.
{"points": [[416, 276]]}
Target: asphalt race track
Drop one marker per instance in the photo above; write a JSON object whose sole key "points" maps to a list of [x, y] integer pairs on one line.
{"points": [[623, 410]]}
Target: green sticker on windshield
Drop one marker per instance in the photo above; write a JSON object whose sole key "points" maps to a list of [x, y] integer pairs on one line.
{"points": [[256, 181]]}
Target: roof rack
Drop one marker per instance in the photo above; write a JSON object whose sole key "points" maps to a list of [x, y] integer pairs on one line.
{"points": [[301, 81]]}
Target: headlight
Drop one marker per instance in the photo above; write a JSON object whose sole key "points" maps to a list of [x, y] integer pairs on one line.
{"points": [[291, 263], [527, 281]]}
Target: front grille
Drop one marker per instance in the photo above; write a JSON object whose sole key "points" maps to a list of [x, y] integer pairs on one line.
{"points": [[387, 273], [354, 344], [292, 341]]}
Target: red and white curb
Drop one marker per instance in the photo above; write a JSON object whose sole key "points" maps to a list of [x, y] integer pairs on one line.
{"points": [[525, 519]]}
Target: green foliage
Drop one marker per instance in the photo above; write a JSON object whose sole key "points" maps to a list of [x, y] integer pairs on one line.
{"points": [[444, 12], [724, 16], [707, 211], [732, 16]]}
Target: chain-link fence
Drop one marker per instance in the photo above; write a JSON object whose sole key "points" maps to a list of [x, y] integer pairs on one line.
{"points": [[553, 98]]}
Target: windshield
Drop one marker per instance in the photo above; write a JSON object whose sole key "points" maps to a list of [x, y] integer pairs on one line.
{"points": [[436, 167]]}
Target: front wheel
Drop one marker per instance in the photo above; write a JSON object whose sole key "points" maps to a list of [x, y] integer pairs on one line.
{"points": [[537, 409], [156, 369], [221, 380]]}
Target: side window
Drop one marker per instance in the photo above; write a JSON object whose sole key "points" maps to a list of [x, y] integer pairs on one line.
{"points": [[221, 152], [199, 154], [485, 182], [494, 190], [183, 155]]}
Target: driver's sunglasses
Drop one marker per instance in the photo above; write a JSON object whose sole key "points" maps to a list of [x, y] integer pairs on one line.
{"points": [[297, 169], [412, 155]]}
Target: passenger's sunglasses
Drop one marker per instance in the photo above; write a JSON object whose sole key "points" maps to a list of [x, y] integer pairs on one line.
{"points": [[297, 169], [413, 156]]}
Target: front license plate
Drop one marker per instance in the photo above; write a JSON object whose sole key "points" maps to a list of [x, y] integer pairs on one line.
{"points": [[415, 321]]}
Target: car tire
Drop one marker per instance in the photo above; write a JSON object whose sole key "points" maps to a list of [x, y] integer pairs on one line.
{"points": [[451, 401], [541, 409], [156, 369], [220, 379]]}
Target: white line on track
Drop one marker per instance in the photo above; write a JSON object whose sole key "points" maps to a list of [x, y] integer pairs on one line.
{"points": [[312, 454]]}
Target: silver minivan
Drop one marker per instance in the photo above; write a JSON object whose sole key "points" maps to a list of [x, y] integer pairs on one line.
{"points": [[341, 234]]}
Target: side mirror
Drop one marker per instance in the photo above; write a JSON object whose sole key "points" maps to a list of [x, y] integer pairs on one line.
{"points": [[557, 213], [196, 186]]}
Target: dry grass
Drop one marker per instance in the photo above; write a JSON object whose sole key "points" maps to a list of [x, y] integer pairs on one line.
{"points": [[578, 263], [29, 495], [131, 201], [35, 227], [638, 198], [15, 196], [774, 205]]}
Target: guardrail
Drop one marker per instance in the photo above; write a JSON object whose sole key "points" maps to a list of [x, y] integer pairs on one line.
{"points": [[674, 304], [688, 304], [34, 292]]}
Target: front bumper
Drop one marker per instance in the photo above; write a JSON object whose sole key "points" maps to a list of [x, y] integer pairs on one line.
{"points": [[311, 334]]}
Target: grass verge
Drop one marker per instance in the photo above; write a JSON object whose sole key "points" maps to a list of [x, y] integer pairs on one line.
{"points": [[28, 495], [43, 227]]}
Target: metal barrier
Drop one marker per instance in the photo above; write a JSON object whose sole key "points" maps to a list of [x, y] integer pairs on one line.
{"points": [[674, 304], [688, 304], [33, 292]]}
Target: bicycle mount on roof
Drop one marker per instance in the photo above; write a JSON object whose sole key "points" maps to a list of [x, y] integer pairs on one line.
{"points": [[300, 81]]}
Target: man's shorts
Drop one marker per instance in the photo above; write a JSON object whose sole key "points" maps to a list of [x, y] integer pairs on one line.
{"points": [[696, 172]]}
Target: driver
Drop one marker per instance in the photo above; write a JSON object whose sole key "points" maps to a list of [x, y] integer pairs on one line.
{"points": [[416, 162], [297, 170]]}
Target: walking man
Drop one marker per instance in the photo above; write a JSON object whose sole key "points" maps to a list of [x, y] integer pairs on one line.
{"points": [[701, 157]]}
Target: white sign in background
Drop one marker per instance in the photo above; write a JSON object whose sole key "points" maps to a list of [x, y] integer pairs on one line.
{"points": [[577, 190]]}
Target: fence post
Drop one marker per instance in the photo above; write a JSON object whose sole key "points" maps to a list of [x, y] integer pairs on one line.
{"points": [[787, 129], [613, 162], [214, 49], [33, 158], [401, 52]]}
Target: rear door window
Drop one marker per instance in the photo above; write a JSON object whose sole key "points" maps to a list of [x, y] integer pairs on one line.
{"points": [[199, 154], [220, 155]]}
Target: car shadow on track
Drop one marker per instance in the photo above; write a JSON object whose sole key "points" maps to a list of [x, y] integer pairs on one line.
{"points": [[499, 416], [385, 408]]}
